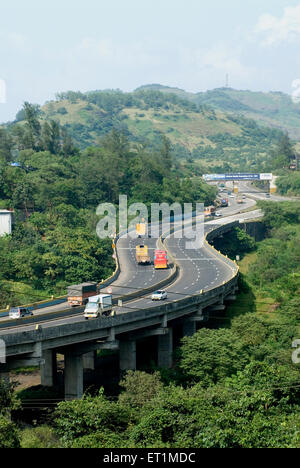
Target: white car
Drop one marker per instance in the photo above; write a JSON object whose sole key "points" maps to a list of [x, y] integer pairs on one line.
{"points": [[218, 213], [19, 312], [231, 196], [159, 295]]}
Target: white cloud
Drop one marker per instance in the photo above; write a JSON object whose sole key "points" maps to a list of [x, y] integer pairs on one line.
{"points": [[219, 58], [276, 30], [116, 54], [13, 41]]}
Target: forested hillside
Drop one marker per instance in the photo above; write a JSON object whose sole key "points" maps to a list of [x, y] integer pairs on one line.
{"points": [[54, 189], [198, 133], [273, 109]]}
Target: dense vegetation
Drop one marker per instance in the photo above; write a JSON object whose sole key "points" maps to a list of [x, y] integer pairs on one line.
{"points": [[289, 184], [201, 135], [273, 109], [234, 384], [55, 189]]}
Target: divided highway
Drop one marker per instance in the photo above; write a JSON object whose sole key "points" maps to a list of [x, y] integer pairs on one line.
{"points": [[200, 269]]}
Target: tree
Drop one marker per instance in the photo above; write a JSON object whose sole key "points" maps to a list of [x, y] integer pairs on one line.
{"points": [[74, 419], [211, 355], [139, 388], [283, 153], [33, 126], [51, 137], [9, 437], [6, 144]]}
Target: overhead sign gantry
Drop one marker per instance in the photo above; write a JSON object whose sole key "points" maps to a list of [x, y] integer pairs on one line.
{"points": [[237, 176]]}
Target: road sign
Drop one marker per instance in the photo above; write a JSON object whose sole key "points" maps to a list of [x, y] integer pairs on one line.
{"points": [[237, 176], [266, 176]]}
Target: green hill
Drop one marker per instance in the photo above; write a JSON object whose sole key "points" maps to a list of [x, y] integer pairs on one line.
{"points": [[197, 131], [273, 109]]}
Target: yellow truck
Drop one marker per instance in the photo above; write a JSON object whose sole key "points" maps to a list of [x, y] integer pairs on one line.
{"points": [[141, 229], [142, 255]]}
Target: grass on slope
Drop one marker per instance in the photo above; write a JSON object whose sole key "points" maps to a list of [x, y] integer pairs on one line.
{"points": [[251, 300], [189, 129]]}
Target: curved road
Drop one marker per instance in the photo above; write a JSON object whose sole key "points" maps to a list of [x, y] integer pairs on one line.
{"points": [[200, 269]]}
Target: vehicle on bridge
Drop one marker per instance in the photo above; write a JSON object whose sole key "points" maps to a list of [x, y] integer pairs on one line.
{"points": [[160, 259], [209, 210], [141, 229], [224, 202], [78, 294], [142, 255], [100, 305], [159, 295], [19, 312]]}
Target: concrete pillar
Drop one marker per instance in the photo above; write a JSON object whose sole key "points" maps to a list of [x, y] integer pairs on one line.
{"points": [[49, 368], [89, 360], [73, 376], [127, 355], [165, 349], [189, 327]]}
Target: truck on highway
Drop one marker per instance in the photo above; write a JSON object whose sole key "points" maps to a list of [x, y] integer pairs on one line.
{"points": [[141, 229], [78, 294], [224, 202], [209, 210], [160, 259], [100, 305], [141, 254]]}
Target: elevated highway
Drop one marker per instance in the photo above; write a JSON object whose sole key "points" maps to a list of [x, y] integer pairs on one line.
{"points": [[204, 281]]}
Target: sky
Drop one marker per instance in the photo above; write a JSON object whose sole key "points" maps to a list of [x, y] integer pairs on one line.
{"points": [[52, 46]]}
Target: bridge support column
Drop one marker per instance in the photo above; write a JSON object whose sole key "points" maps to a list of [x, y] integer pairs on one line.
{"points": [[165, 349], [48, 368], [127, 355], [73, 376], [189, 327], [89, 360]]}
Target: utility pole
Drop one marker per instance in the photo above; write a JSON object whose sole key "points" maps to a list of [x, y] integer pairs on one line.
{"points": [[227, 81]]}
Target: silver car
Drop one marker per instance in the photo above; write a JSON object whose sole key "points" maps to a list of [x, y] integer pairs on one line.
{"points": [[19, 312], [159, 295]]}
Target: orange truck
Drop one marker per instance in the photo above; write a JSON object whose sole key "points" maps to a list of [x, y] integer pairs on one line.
{"points": [[209, 210], [78, 294], [160, 259]]}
